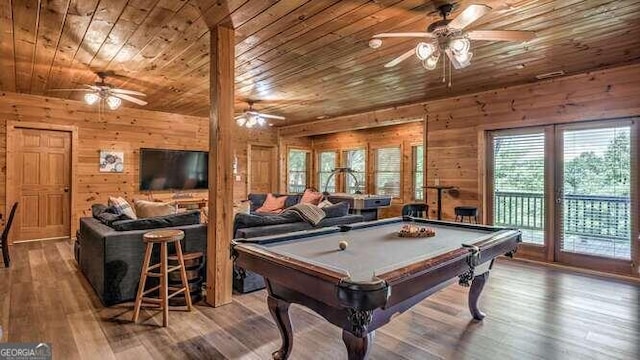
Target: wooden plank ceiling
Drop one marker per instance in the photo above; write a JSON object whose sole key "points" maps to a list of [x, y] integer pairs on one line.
{"points": [[301, 59]]}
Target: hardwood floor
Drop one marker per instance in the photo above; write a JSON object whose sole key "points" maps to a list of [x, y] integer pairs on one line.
{"points": [[532, 313]]}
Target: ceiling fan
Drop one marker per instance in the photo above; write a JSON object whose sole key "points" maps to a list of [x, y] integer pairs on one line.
{"points": [[448, 36], [250, 118], [102, 91]]}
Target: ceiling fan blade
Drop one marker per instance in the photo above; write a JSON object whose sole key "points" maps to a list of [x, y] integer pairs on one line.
{"points": [[130, 98], [400, 59], [501, 35], [469, 15], [266, 116], [128, 92], [404, 35], [85, 90]]}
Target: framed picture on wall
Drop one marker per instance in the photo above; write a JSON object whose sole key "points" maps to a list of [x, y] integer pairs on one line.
{"points": [[111, 161]]}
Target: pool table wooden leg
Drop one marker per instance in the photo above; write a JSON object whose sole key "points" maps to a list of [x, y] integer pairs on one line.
{"points": [[280, 312], [474, 294], [357, 347]]}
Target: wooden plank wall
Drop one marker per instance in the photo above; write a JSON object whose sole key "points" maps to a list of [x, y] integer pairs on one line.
{"points": [[127, 130], [454, 124]]}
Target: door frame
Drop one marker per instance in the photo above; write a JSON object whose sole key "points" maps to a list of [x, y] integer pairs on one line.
{"points": [[593, 262], [274, 159], [10, 184]]}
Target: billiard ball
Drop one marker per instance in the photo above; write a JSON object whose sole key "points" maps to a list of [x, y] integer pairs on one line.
{"points": [[343, 244]]}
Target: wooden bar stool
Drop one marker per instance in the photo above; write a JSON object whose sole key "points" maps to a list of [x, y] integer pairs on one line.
{"points": [[161, 237]]}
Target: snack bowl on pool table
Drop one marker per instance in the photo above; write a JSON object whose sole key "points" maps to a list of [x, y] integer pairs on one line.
{"points": [[412, 230]]}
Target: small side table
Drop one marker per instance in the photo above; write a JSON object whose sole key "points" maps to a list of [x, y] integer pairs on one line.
{"points": [[439, 188]]}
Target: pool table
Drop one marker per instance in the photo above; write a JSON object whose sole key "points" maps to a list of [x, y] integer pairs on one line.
{"points": [[378, 275]]}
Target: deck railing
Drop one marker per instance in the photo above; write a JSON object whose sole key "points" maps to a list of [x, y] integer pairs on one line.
{"points": [[585, 215]]}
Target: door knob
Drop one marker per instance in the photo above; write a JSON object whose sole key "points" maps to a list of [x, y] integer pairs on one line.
{"points": [[66, 189]]}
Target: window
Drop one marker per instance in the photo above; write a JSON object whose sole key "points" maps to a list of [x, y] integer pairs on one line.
{"points": [[388, 171], [355, 160], [297, 171], [418, 171], [326, 164], [518, 183]]}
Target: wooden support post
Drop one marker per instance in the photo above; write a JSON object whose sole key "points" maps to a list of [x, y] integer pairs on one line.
{"points": [[221, 79]]}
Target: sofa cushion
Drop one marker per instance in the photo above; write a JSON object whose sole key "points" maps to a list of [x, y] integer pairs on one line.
{"points": [[243, 220], [257, 231], [186, 218], [148, 209], [272, 204], [122, 206], [324, 203], [311, 197], [337, 210]]}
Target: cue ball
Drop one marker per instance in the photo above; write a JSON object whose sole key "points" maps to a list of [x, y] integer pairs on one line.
{"points": [[343, 244]]}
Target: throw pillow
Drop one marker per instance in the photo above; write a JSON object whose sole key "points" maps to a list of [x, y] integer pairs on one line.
{"points": [[147, 209], [337, 210], [122, 206], [272, 204], [311, 197], [325, 203]]}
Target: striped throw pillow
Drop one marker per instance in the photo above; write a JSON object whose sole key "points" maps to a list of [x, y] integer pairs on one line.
{"points": [[122, 206]]}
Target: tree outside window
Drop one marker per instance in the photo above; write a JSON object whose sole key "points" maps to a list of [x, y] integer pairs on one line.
{"points": [[418, 172], [297, 171], [355, 159], [326, 165], [388, 171]]}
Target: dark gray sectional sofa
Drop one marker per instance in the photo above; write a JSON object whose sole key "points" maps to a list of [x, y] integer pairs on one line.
{"points": [[112, 260]]}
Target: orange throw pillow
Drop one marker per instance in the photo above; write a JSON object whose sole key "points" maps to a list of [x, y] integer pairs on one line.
{"points": [[272, 204], [311, 197]]}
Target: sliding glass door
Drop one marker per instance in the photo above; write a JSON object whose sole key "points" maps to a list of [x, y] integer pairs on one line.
{"points": [[569, 188], [594, 194]]}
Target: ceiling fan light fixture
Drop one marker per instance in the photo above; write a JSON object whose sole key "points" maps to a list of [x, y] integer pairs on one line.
{"points": [[431, 62], [459, 45], [375, 43], [113, 102], [241, 121], [91, 98], [260, 120], [424, 50], [464, 59]]}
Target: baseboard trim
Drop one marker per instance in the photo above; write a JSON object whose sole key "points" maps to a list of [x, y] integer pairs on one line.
{"points": [[625, 278], [45, 239]]}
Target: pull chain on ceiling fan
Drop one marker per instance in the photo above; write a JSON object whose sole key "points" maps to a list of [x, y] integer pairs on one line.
{"points": [[448, 37]]}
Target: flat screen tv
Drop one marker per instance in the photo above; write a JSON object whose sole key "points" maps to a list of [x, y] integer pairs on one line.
{"points": [[162, 169]]}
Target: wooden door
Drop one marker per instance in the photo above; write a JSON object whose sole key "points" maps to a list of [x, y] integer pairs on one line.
{"points": [[262, 170], [42, 183]]}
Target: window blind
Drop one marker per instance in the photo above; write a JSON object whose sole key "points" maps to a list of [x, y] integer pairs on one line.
{"points": [[388, 164], [297, 171], [518, 183], [326, 164], [356, 160], [418, 172], [596, 202]]}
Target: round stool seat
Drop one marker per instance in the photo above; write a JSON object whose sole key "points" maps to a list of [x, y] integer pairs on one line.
{"points": [[466, 211], [160, 236]]}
